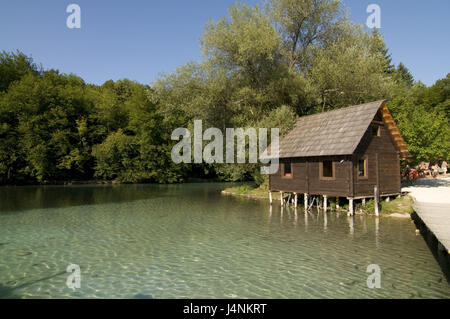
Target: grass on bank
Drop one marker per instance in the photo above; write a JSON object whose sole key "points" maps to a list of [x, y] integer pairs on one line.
{"points": [[249, 189], [401, 205]]}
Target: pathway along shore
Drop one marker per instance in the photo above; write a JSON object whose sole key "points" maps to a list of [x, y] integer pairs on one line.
{"points": [[432, 207]]}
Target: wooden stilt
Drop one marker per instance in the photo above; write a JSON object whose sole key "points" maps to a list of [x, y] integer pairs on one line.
{"points": [[295, 200], [387, 199], [364, 202], [376, 198], [337, 202], [306, 202], [270, 197], [325, 203], [281, 198], [350, 207]]}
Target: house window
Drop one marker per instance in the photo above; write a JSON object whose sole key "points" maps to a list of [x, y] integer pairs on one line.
{"points": [[326, 170], [362, 168], [287, 169], [376, 130]]}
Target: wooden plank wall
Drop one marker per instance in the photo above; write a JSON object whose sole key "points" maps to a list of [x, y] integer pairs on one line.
{"points": [[305, 177], [379, 149], [383, 169]]}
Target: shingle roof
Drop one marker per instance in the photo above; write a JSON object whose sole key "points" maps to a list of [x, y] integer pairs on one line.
{"points": [[336, 132]]}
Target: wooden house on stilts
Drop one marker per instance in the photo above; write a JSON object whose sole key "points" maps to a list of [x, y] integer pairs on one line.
{"points": [[353, 152]]}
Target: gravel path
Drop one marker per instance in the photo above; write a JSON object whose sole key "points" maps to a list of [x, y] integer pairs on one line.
{"points": [[436, 190]]}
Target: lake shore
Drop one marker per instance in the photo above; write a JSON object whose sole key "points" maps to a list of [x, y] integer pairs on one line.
{"points": [[399, 207]]}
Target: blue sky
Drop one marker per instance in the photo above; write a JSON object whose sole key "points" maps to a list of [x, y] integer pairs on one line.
{"points": [[139, 39]]}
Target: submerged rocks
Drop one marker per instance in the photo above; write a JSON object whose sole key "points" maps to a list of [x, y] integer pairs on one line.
{"points": [[23, 253]]}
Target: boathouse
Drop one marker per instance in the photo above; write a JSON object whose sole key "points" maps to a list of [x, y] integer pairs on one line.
{"points": [[352, 152]]}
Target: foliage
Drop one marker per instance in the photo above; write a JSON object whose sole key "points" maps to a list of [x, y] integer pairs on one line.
{"points": [[423, 124], [55, 127], [13, 66], [350, 72], [262, 67], [404, 75]]}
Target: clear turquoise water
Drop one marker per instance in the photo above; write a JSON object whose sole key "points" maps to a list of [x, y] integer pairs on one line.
{"points": [[189, 241]]}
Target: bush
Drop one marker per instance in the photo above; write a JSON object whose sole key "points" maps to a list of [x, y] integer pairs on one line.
{"points": [[244, 188]]}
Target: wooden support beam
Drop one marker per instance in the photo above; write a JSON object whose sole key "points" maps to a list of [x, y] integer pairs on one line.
{"points": [[337, 202], [364, 202], [281, 198], [306, 202], [325, 203], [270, 197], [387, 199]]}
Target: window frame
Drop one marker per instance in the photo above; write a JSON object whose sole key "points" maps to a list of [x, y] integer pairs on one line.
{"points": [[378, 127], [333, 171], [282, 170], [366, 167]]}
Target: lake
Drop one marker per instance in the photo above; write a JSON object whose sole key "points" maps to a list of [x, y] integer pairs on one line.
{"points": [[189, 241]]}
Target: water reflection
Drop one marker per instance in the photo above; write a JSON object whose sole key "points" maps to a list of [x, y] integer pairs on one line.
{"points": [[351, 225], [377, 231], [306, 219], [13, 199]]}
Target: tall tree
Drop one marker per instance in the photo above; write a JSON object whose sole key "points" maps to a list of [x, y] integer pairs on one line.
{"points": [[303, 24], [378, 46], [405, 75], [349, 72]]}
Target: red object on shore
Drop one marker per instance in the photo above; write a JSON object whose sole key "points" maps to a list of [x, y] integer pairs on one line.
{"points": [[413, 173]]}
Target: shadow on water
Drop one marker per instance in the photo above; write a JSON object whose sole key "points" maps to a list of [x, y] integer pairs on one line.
{"points": [[441, 256], [141, 296], [9, 292], [22, 198]]}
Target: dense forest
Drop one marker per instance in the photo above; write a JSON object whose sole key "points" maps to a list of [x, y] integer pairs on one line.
{"points": [[262, 66]]}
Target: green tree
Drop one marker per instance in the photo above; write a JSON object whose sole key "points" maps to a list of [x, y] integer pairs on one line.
{"points": [[349, 72], [44, 111], [405, 75], [13, 66], [305, 24]]}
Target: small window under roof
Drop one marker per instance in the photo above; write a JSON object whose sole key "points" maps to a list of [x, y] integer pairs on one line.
{"points": [[287, 169]]}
